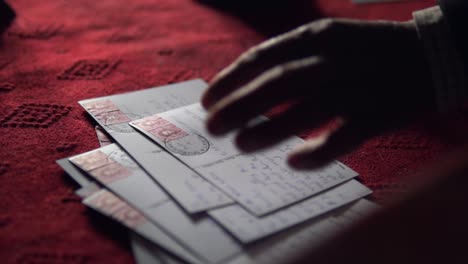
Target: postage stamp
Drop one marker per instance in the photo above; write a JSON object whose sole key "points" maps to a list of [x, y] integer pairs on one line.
{"points": [[110, 172], [168, 132], [107, 202], [113, 117], [102, 106], [129, 216], [151, 122], [91, 161], [174, 138]]}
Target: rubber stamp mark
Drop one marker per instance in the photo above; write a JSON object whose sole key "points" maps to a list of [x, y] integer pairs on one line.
{"points": [[110, 116], [174, 138], [89, 70], [122, 127], [189, 145]]}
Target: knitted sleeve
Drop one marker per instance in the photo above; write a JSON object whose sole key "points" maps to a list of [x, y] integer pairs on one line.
{"points": [[445, 59]]}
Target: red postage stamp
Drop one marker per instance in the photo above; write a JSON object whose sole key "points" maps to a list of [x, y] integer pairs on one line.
{"points": [[102, 106], [91, 161], [107, 202], [168, 132], [110, 172], [129, 216], [112, 118], [151, 122]]}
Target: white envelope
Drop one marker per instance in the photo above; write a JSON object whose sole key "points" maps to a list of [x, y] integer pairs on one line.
{"points": [[113, 113], [261, 182], [145, 252], [276, 249], [134, 186]]}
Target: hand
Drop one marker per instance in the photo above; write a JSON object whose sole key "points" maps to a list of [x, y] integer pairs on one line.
{"points": [[372, 76]]}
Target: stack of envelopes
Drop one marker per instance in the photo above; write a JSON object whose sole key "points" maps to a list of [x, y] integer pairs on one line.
{"points": [[189, 197]]}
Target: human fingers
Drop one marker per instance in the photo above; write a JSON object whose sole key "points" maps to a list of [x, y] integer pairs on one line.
{"points": [[298, 79], [325, 148], [299, 43], [304, 115]]}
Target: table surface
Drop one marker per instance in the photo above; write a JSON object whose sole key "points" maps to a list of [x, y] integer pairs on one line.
{"points": [[59, 52]]}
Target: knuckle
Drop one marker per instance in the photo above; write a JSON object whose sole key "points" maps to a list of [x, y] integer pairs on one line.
{"points": [[300, 32], [303, 64], [249, 56], [327, 23], [272, 75], [289, 67], [323, 26], [278, 71]]}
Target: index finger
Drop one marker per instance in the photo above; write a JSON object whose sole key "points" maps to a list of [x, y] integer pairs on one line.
{"points": [[293, 45]]}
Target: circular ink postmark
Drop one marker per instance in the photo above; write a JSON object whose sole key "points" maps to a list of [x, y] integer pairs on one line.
{"points": [[122, 127], [189, 145]]}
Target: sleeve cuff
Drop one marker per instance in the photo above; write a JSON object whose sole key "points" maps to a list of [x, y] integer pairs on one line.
{"points": [[445, 62]]}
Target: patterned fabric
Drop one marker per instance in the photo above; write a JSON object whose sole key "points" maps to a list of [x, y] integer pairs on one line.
{"points": [[59, 52]]}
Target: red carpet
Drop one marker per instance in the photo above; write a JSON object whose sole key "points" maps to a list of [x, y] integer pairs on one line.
{"points": [[59, 52]]}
